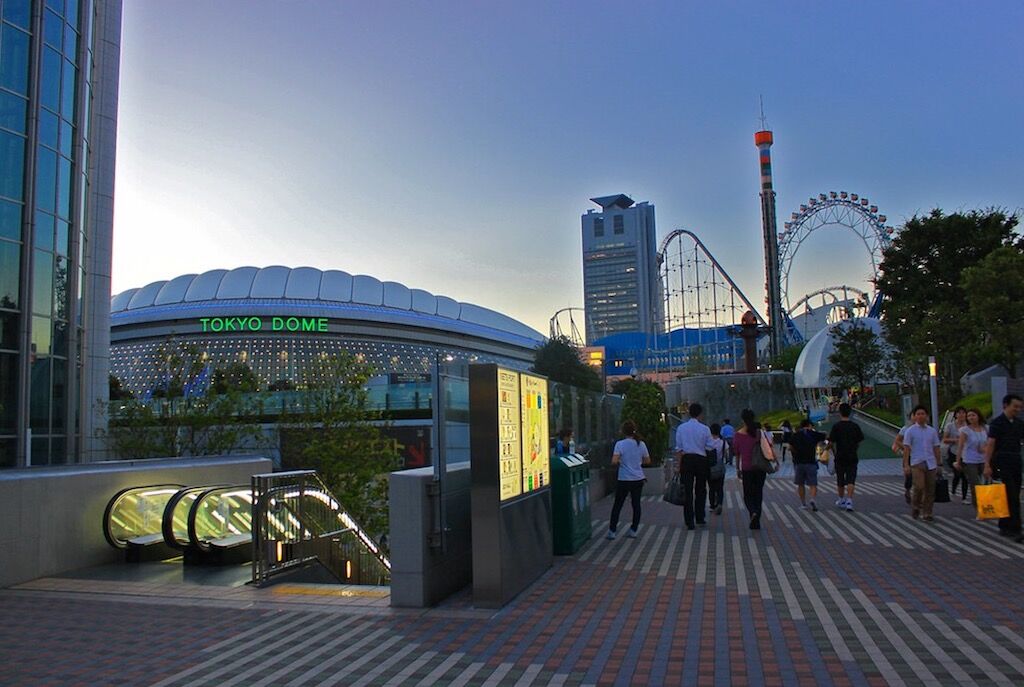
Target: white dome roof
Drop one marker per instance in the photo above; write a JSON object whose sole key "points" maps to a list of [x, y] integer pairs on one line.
{"points": [[283, 284]]}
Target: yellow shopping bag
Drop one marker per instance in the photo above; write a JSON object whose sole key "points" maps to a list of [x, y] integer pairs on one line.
{"points": [[991, 501]]}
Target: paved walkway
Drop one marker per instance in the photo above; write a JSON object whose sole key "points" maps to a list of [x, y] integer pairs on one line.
{"points": [[830, 598]]}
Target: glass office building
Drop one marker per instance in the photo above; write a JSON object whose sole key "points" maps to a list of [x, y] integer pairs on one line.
{"points": [[622, 290], [171, 337], [58, 103]]}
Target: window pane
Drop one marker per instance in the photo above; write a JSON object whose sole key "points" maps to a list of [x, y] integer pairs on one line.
{"points": [[71, 13], [60, 339], [12, 111], [67, 108], [10, 273], [67, 140], [7, 452], [43, 235], [58, 450], [53, 29], [49, 127], [60, 385], [50, 83], [64, 188], [62, 237], [10, 220], [9, 330], [60, 287], [8, 392], [57, 5], [18, 12], [14, 59], [40, 451], [12, 165], [46, 179], [42, 285], [39, 396], [70, 43]]}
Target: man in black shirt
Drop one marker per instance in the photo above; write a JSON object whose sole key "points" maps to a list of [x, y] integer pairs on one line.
{"points": [[1003, 458], [805, 463], [845, 436]]}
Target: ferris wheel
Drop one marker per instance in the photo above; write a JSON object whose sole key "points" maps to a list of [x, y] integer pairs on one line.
{"points": [[840, 209]]}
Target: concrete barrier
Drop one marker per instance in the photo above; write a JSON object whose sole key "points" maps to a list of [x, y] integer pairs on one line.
{"points": [[53, 516]]}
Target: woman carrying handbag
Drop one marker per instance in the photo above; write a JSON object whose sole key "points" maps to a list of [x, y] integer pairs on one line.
{"points": [[754, 460]]}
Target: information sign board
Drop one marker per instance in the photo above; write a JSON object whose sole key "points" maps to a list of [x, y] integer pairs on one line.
{"points": [[534, 412], [510, 461]]}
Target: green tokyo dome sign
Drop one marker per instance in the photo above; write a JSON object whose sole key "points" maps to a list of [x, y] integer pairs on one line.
{"points": [[263, 324]]}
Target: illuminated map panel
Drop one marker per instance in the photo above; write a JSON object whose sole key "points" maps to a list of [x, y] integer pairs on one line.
{"points": [[534, 412], [510, 457]]}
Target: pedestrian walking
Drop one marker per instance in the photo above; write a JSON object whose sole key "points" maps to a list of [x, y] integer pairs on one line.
{"points": [[630, 455], [951, 439], [716, 471], [1003, 460], [728, 431], [693, 441], [787, 435], [970, 454], [922, 460], [897, 448], [804, 441], [746, 438], [845, 437]]}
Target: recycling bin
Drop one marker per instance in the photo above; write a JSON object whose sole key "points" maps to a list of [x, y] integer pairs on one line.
{"points": [[570, 502]]}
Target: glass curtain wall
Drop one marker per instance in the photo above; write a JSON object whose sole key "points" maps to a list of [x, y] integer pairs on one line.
{"points": [[44, 58]]}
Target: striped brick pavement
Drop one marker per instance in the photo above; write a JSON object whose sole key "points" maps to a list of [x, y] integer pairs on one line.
{"points": [[829, 598]]}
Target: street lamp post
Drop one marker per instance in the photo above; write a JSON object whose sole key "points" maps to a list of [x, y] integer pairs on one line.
{"points": [[933, 388]]}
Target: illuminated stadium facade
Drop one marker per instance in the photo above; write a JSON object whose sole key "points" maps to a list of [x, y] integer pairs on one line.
{"points": [[279, 320]]}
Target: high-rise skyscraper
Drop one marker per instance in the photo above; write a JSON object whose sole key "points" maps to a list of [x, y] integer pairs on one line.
{"points": [[621, 288], [59, 62]]}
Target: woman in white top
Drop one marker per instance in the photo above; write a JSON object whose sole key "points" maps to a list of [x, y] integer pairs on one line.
{"points": [[630, 455], [970, 455]]}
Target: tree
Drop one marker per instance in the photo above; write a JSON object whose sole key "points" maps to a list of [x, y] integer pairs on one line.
{"points": [[921, 283], [235, 377], [338, 434], [559, 360], [645, 406], [857, 357], [787, 359], [117, 390], [696, 362], [995, 291]]}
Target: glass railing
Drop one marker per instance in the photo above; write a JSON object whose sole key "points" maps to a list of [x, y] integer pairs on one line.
{"points": [[137, 513], [175, 524]]}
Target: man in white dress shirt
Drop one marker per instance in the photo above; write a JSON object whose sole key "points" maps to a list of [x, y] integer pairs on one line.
{"points": [[693, 440]]}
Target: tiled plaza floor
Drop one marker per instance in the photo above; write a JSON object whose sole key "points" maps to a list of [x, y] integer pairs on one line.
{"points": [[831, 598]]}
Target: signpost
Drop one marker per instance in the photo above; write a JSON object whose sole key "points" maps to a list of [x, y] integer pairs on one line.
{"points": [[511, 482]]}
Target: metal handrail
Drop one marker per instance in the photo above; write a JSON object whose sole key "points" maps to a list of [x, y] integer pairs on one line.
{"points": [[296, 520]]}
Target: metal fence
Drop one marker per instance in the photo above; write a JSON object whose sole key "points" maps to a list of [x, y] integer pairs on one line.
{"points": [[297, 521]]}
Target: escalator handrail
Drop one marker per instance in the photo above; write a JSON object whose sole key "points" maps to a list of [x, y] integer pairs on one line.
{"points": [[112, 503], [167, 524], [193, 537]]}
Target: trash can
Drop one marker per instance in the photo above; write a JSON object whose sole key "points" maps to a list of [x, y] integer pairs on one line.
{"points": [[570, 502]]}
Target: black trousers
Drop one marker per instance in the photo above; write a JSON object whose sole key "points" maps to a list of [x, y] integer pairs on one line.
{"points": [[693, 473], [716, 492], [1010, 473], [959, 478], [753, 490], [632, 488]]}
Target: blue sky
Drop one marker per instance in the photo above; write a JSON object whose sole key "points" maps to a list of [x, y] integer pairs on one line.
{"points": [[453, 146]]}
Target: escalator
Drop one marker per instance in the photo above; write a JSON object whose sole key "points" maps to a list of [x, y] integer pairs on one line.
{"points": [[220, 526], [133, 521]]}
